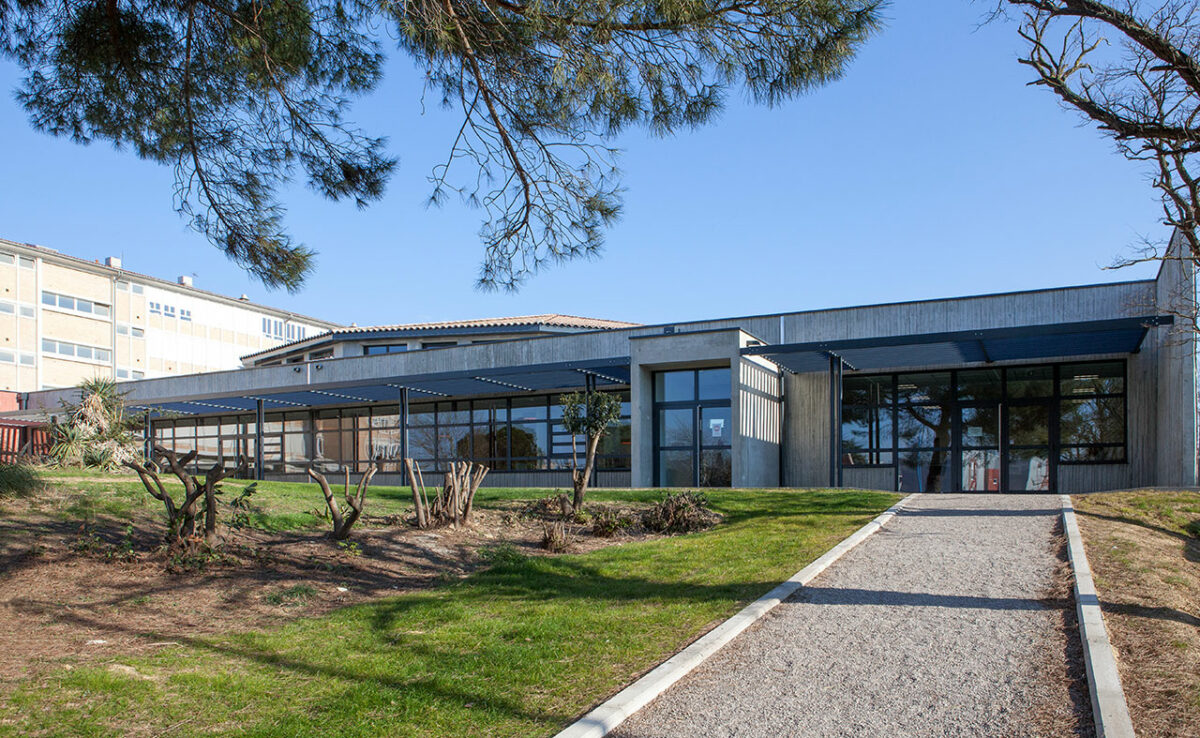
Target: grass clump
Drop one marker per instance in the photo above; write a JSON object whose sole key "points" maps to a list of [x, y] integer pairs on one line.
{"points": [[19, 480], [501, 554], [680, 512], [296, 595]]}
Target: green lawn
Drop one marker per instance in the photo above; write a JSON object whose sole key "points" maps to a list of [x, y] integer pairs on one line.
{"points": [[515, 650]]}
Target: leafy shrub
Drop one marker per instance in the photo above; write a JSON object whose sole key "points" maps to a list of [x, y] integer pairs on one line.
{"points": [[680, 512], [18, 480], [607, 523], [96, 432], [501, 554]]}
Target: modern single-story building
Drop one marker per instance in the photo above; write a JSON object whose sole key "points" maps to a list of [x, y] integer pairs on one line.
{"points": [[1066, 389]]}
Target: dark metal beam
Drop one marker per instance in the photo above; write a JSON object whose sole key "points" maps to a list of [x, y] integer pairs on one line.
{"points": [[259, 419]]}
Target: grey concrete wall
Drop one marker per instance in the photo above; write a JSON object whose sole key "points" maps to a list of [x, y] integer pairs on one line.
{"points": [[758, 415], [869, 478], [806, 419], [1099, 302], [1176, 458]]}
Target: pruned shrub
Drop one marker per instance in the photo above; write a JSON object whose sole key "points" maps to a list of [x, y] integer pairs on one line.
{"points": [[607, 523], [554, 536], [551, 507], [18, 480], [680, 512]]}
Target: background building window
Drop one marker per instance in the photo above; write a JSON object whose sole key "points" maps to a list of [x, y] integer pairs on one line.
{"points": [[387, 348]]}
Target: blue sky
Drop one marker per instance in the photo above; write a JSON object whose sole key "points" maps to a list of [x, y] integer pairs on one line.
{"points": [[930, 170]]}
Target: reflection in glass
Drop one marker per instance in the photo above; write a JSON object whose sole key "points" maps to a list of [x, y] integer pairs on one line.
{"points": [[675, 427], [925, 471], [867, 390], [675, 386], [675, 469], [1031, 381], [923, 426], [1029, 469], [866, 430], [980, 385], [981, 426], [715, 468], [928, 387], [714, 384], [1092, 421], [1096, 378], [981, 470], [1029, 425]]}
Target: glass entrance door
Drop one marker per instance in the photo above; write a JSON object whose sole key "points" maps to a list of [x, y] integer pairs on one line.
{"points": [[693, 428], [1028, 459]]}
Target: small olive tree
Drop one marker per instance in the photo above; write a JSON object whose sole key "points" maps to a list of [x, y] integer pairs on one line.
{"points": [[587, 414]]}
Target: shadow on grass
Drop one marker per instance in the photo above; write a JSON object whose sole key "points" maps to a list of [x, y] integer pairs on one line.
{"points": [[1191, 544]]}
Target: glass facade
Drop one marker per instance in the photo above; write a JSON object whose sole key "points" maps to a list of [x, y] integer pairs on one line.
{"points": [[985, 429], [693, 428], [507, 434]]}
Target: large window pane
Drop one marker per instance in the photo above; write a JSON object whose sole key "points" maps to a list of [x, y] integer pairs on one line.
{"points": [[981, 470], [923, 426], [716, 426], [930, 387], [675, 386], [715, 468], [1029, 469], [1097, 378], [454, 442], [867, 390], [714, 384], [981, 426], [865, 432], [1092, 421], [925, 471], [1029, 425], [675, 469], [980, 385], [675, 427], [1031, 381], [528, 439]]}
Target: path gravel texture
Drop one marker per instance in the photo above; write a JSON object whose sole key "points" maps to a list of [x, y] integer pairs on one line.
{"points": [[931, 627]]}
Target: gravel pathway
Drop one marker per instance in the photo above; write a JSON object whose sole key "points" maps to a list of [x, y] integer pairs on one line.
{"points": [[931, 627]]}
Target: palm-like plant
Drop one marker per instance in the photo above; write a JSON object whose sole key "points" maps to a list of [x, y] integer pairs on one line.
{"points": [[96, 432]]}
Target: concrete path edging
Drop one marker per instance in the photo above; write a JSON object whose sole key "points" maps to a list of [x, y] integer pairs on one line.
{"points": [[1109, 709], [611, 713]]}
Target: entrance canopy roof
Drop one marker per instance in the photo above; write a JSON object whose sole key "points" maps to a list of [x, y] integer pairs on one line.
{"points": [[534, 378], [1026, 343]]}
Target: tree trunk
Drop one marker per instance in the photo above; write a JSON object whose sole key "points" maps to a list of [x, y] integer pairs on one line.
{"points": [[581, 480]]}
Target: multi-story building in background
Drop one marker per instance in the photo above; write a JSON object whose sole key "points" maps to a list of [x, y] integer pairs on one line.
{"points": [[64, 320]]}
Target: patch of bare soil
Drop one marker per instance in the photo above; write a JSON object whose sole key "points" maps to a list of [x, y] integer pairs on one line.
{"points": [[1149, 583], [1064, 705], [72, 594]]}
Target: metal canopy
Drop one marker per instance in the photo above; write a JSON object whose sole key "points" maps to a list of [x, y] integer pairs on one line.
{"points": [[466, 383], [1055, 340]]}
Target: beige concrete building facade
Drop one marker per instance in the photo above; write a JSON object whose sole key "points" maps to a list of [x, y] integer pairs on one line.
{"points": [[64, 320]]}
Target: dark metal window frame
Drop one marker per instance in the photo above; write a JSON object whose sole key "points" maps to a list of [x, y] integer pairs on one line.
{"points": [[275, 432], [696, 405], [1054, 401]]}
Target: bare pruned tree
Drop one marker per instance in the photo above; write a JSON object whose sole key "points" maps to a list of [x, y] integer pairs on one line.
{"points": [[1134, 69]]}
